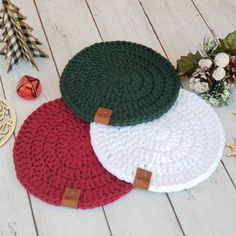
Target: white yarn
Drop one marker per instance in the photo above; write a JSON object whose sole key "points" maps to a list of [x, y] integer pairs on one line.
{"points": [[181, 149]]}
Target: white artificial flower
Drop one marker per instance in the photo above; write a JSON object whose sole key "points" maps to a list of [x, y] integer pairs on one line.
{"points": [[205, 64], [214, 101], [221, 59], [219, 73]]}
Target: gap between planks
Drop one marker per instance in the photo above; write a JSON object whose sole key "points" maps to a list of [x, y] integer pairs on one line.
{"points": [[158, 39], [54, 61], [146, 15], [213, 34], [57, 70], [14, 135], [140, 4]]}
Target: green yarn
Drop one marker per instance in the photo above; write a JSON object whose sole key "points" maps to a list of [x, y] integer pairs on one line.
{"points": [[137, 83]]}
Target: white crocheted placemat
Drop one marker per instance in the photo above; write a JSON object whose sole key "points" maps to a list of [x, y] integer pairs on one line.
{"points": [[181, 149]]}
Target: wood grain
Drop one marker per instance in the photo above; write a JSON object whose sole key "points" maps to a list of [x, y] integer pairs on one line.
{"points": [[136, 26], [191, 205], [171, 27], [49, 220], [15, 212], [221, 19]]}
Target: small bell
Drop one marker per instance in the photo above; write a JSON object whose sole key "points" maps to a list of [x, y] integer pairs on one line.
{"points": [[28, 87]]}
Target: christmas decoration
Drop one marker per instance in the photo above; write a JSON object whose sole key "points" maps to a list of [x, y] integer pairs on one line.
{"points": [[221, 60], [28, 87], [205, 64], [212, 69], [7, 121], [218, 95], [19, 42], [231, 70], [200, 81], [232, 153]]}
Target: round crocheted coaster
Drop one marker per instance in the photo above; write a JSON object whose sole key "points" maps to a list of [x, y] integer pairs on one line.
{"points": [[132, 80], [181, 149], [53, 152]]}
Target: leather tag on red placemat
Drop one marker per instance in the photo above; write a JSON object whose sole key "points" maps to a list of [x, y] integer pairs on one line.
{"points": [[142, 178], [71, 198], [103, 115]]}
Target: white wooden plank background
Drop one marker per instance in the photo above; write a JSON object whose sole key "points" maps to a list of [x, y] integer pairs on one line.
{"points": [[172, 28]]}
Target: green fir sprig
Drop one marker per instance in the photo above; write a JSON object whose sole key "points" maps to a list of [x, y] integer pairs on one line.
{"points": [[186, 65]]}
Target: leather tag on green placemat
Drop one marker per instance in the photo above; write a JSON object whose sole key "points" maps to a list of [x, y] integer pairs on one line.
{"points": [[142, 178], [71, 198], [102, 116]]}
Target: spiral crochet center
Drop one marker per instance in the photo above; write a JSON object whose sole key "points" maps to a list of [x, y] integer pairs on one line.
{"points": [[53, 152], [132, 80]]}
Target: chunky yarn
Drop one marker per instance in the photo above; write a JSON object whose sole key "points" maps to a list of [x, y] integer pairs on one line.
{"points": [[52, 152], [132, 80], [181, 149]]}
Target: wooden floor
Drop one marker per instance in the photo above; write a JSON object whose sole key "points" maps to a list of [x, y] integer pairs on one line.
{"points": [[172, 27]]}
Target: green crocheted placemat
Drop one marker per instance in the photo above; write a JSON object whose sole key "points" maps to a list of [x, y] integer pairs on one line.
{"points": [[132, 80]]}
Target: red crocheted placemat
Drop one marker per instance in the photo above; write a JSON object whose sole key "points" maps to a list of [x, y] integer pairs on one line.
{"points": [[53, 152]]}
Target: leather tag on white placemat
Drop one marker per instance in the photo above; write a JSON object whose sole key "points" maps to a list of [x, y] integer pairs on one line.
{"points": [[102, 116], [142, 178], [71, 198]]}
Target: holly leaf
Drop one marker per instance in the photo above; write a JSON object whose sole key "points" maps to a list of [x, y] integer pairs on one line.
{"points": [[186, 65], [228, 44]]}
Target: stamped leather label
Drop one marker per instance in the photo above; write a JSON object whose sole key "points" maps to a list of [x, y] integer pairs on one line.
{"points": [[71, 198], [103, 115], [142, 178]]}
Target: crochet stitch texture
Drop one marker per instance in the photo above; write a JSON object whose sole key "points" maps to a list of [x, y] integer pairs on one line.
{"points": [[53, 151], [136, 82], [181, 149]]}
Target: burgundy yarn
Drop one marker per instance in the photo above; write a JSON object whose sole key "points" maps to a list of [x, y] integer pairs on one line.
{"points": [[53, 151]]}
